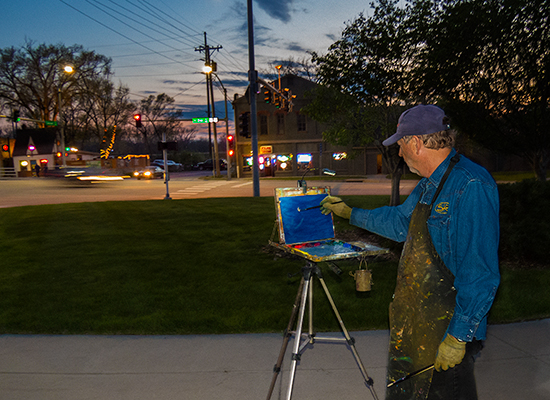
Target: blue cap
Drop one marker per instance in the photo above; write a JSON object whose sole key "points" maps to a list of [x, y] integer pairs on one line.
{"points": [[419, 120]]}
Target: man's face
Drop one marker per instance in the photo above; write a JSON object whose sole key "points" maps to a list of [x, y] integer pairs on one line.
{"points": [[407, 150]]}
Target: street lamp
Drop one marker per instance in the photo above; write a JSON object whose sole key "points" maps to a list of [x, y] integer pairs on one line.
{"points": [[278, 67], [68, 69], [208, 68], [229, 158]]}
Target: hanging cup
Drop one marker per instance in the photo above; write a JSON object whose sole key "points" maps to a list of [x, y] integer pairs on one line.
{"points": [[363, 280]]}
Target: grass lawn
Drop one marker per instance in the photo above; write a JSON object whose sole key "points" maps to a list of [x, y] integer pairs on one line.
{"points": [[189, 267]]}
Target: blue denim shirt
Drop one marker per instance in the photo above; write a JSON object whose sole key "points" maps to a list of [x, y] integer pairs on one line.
{"points": [[464, 226]]}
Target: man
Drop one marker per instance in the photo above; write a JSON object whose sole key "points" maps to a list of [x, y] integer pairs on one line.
{"points": [[448, 272]]}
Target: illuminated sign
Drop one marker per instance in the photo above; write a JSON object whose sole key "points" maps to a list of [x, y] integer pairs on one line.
{"points": [[266, 149], [339, 156], [304, 158]]}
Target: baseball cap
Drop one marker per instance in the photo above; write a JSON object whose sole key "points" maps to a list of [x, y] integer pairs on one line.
{"points": [[418, 120]]}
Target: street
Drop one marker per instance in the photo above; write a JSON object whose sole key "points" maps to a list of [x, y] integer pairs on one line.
{"points": [[182, 185]]}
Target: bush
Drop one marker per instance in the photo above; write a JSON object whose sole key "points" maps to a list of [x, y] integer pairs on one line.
{"points": [[525, 222]]}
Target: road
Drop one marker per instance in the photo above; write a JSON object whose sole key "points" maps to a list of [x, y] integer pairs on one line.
{"points": [[183, 185]]}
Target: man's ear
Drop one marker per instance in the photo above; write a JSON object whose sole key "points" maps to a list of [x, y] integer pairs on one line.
{"points": [[418, 144]]}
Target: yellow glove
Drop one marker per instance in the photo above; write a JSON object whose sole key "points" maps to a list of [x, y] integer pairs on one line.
{"points": [[335, 205], [450, 353]]}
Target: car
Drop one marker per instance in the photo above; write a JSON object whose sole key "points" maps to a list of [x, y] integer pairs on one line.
{"points": [[209, 164], [172, 165], [150, 172]]}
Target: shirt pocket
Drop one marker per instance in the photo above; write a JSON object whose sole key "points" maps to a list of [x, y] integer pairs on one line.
{"points": [[438, 226]]}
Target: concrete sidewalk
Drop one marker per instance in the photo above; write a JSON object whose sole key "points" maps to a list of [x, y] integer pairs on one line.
{"points": [[515, 364]]}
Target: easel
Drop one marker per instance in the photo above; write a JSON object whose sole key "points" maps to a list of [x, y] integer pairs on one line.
{"points": [[306, 243], [305, 292]]}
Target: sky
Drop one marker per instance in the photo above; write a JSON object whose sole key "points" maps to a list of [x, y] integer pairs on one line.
{"points": [[152, 43]]}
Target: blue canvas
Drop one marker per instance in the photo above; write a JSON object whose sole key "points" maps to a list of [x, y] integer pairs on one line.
{"points": [[308, 225]]}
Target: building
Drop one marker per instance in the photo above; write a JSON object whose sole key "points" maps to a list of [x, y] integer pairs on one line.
{"points": [[290, 143], [42, 148]]}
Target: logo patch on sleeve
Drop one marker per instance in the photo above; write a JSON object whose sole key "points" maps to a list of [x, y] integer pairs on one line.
{"points": [[442, 208]]}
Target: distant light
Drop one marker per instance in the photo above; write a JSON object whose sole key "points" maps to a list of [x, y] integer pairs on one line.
{"points": [[32, 148], [207, 69], [68, 69], [100, 178]]}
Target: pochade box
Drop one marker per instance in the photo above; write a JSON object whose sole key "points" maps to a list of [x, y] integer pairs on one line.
{"points": [[306, 232]]}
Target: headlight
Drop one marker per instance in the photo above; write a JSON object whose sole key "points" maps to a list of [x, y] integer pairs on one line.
{"points": [[136, 173], [147, 173]]}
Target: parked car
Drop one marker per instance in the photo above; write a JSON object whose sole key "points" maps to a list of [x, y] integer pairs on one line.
{"points": [[150, 172], [172, 165], [209, 164]]}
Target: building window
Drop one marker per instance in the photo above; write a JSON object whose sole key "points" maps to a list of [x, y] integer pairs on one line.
{"points": [[301, 122], [280, 124], [263, 124]]}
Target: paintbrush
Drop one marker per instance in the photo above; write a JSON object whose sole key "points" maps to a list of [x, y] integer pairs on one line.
{"points": [[314, 207], [420, 371]]}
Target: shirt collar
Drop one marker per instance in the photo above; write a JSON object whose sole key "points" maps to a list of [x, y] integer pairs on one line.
{"points": [[437, 175]]}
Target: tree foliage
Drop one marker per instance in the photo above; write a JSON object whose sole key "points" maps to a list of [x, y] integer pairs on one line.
{"points": [[495, 80], [363, 83], [485, 61], [160, 119], [33, 80]]}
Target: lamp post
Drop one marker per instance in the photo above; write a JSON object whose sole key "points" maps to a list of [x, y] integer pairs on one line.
{"points": [[208, 69], [229, 160], [278, 67], [68, 70]]}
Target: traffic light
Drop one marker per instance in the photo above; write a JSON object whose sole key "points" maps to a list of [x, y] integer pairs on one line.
{"points": [[230, 145], [277, 101], [244, 121], [267, 95], [15, 116], [6, 150], [137, 118]]}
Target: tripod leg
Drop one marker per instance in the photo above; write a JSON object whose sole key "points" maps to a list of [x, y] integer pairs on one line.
{"points": [[368, 381], [298, 332], [288, 334]]}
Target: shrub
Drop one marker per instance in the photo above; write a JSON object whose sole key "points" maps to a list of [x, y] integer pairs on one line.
{"points": [[525, 222]]}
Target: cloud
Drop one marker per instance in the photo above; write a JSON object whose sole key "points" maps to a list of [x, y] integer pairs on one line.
{"points": [[281, 10], [295, 46]]}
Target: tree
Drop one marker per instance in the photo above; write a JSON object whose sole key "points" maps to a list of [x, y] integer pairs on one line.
{"points": [[495, 80], [303, 68], [363, 80], [31, 78], [158, 119]]}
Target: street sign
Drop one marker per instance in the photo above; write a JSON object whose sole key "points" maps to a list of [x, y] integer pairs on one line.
{"points": [[50, 123], [204, 120]]}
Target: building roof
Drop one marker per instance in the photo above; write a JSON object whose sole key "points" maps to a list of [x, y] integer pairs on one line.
{"points": [[42, 139]]}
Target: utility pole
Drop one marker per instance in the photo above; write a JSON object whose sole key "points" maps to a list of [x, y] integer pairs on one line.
{"points": [[210, 101], [252, 89]]}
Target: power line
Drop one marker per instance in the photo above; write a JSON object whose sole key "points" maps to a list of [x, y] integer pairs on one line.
{"points": [[117, 32], [130, 26]]}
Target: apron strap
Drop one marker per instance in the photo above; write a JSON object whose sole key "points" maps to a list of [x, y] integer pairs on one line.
{"points": [[453, 162]]}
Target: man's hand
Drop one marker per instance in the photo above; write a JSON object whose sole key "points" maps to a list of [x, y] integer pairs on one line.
{"points": [[450, 353], [335, 205]]}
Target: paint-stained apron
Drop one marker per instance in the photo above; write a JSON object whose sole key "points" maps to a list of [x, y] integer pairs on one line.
{"points": [[421, 309]]}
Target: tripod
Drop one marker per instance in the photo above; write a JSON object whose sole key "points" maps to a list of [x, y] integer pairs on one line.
{"points": [[305, 291]]}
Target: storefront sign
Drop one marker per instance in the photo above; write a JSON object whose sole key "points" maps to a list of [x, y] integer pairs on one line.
{"points": [[266, 149]]}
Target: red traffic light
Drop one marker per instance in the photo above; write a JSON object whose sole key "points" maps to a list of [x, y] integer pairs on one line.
{"points": [[230, 145], [5, 147], [137, 118]]}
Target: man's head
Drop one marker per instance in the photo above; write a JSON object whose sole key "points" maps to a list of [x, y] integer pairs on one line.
{"points": [[424, 138], [419, 121]]}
